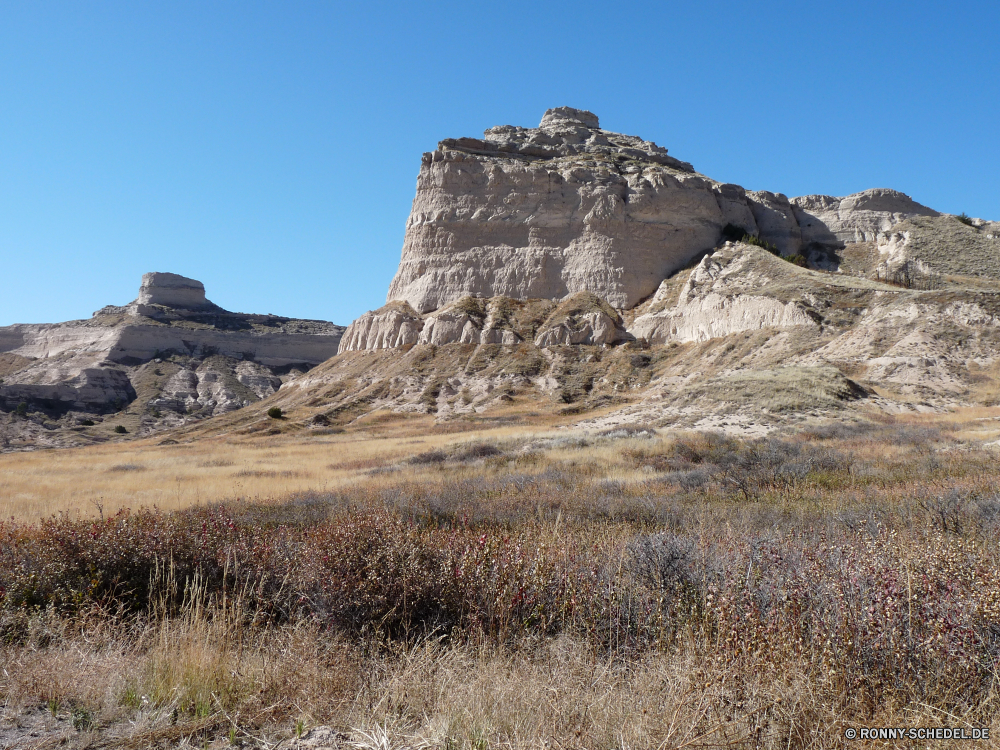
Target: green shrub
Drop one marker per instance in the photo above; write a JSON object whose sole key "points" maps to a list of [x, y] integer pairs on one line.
{"points": [[763, 244], [22, 409], [120, 429], [966, 219], [83, 720], [274, 412], [734, 233], [87, 422]]}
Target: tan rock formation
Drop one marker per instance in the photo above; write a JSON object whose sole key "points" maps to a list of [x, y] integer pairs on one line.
{"points": [[172, 290], [546, 212], [583, 318], [225, 359], [395, 324], [469, 321], [932, 246], [861, 217], [718, 299], [540, 213]]}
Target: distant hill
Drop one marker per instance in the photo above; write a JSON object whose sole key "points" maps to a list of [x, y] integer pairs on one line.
{"points": [[169, 357]]}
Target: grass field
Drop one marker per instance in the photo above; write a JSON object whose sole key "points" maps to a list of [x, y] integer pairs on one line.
{"points": [[146, 473], [504, 588]]}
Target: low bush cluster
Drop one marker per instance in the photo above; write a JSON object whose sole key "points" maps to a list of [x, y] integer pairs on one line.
{"points": [[876, 608], [726, 553], [734, 233]]}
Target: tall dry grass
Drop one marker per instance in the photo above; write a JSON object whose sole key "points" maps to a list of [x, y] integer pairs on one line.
{"points": [[107, 478], [617, 590]]}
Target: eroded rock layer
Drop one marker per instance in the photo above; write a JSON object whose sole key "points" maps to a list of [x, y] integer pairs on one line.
{"points": [[540, 213], [581, 318], [171, 349]]}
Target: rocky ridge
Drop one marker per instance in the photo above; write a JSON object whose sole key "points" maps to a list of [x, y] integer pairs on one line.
{"points": [[588, 270], [568, 270], [168, 357], [567, 207], [743, 341]]}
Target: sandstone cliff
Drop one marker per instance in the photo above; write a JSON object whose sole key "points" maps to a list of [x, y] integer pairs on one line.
{"points": [[568, 207], [168, 356]]}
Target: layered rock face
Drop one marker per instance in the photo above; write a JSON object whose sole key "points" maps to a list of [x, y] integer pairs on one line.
{"points": [[567, 207], [581, 318], [209, 359], [172, 290], [396, 324], [548, 211], [720, 298], [862, 217]]}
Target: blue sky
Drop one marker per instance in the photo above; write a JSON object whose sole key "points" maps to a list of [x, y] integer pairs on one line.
{"points": [[271, 149]]}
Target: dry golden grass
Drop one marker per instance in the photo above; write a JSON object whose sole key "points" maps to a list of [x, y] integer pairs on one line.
{"points": [[170, 477], [232, 679], [227, 683], [144, 473]]}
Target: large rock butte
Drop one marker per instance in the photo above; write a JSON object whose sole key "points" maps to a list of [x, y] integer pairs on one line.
{"points": [[568, 207], [531, 254], [172, 290], [208, 360]]}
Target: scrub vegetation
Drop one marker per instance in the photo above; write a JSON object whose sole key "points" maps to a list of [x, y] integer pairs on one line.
{"points": [[624, 588]]}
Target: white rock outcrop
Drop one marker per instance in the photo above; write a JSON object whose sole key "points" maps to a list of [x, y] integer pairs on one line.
{"points": [[393, 325], [861, 217], [582, 318], [213, 389], [87, 364], [453, 324], [715, 301], [172, 290], [540, 213], [275, 342]]}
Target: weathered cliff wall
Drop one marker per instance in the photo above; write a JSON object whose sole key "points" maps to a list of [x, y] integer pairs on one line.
{"points": [[540, 213]]}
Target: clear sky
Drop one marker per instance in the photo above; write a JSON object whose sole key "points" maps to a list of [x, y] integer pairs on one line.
{"points": [[271, 149]]}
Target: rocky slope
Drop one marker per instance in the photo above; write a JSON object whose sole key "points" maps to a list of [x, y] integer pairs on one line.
{"points": [[743, 340], [568, 270], [168, 357]]}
